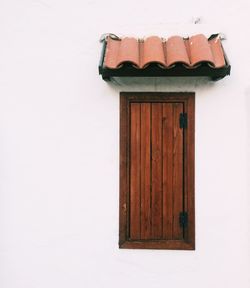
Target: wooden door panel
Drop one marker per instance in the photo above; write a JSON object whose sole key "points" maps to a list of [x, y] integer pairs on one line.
{"points": [[172, 171], [177, 170], [145, 171], [156, 192], [156, 171], [135, 168], [167, 184]]}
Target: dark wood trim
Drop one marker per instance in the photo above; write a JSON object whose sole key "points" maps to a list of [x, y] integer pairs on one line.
{"points": [[189, 168], [188, 100], [158, 244], [156, 96], [124, 165]]}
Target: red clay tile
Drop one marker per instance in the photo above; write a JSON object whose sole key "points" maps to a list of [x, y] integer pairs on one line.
{"points": [[217, 51], [129, 52], [111, 53], [176, 51], [141, 53], [200, 50], [152, 52]]}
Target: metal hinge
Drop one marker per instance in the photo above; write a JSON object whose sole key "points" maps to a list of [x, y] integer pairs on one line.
{"points": [[183, 219], [183, 120]]}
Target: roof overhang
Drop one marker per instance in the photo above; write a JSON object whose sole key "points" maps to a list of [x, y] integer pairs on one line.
{"points": [[213, 64]]}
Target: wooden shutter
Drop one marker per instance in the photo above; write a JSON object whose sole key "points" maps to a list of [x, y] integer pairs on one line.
{"points": [[157, 170]]}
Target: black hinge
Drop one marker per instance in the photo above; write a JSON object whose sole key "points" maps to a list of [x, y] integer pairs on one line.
{"points": [[183, 219], [183, 120]]}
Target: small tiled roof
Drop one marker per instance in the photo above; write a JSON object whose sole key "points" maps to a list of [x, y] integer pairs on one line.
{"points": [[190, 52], [159, 57]]}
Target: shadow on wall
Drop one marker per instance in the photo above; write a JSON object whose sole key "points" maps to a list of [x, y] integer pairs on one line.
{"points": [[155, 84]]}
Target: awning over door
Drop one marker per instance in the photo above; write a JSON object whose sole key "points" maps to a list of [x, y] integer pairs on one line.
{"points": [[159, 57]]}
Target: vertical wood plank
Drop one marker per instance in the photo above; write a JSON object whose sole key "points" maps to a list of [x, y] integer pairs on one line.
{"points": [[135, 143], [177, 171], [189, 232], [124, 165], [145, 171], [167, 181], [156, 173]]}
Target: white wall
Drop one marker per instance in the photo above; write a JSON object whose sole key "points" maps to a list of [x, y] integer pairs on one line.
{"points": [[59, 147]]}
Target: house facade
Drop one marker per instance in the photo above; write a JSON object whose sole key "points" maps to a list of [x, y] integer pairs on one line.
{"points": [[59, 148]]}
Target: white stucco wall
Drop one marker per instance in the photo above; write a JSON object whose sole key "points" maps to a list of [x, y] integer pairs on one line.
{"points": [[59, 147]]}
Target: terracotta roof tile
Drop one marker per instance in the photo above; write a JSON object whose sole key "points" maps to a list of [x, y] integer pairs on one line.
{"points": [[128, 52], [176, 51], [190, 52], [153, 51], [217, 51], [200, 50]]}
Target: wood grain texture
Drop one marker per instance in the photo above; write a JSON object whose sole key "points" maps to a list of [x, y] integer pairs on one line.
{"points": [[156, 171], [135, 169], [145, 171], [167, 165], [189, 168], [158, 244], [124, 170], [177, 151]]}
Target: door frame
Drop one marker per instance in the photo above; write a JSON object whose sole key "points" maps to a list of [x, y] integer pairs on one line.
{"points": [[188, 100]]}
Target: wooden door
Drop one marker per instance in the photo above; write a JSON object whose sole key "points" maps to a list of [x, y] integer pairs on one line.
{"points": [[157, 171]]}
